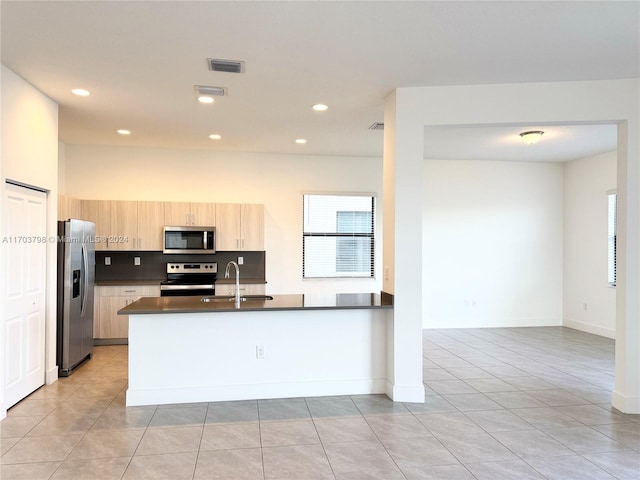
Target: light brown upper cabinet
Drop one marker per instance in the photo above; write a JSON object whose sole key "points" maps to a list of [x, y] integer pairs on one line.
{"points": [[185, 214], [125, 225], [239, 227], [98, 212], [68, 208], [150, 223]]}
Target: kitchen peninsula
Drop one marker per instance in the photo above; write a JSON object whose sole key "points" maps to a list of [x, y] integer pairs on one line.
{"points": [[183, 349]]}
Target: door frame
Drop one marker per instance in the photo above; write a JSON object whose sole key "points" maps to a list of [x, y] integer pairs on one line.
{"points": [[50, 374]]}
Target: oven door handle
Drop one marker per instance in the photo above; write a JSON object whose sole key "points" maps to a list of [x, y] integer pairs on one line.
{"points": [[186, 287]]}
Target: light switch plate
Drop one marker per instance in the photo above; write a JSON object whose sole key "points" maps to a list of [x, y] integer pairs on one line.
{"points": [[136, 260], [240, 260], [107, 260]]}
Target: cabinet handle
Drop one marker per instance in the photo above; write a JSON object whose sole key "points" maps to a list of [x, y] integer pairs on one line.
{"points": [[130, 291], [242, 244], [237, 243], [193, 219], [139, 243], [186, 219]]}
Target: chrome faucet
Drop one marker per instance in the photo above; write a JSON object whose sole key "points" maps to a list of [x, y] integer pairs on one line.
{"points": [[226, 275]]}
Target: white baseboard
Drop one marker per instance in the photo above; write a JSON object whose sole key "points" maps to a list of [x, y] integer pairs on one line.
{"points": [[625, 404], [406, 393], [219, 393], [51, 375], [589, 328], [429, 323]]}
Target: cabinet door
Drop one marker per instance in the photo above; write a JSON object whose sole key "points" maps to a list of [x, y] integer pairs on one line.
{"points": [[252, 228], [124, 225], [113, 325], [177, 213], [69, 208], [98, 212], [228, 226], [150, 223], [73, 208], [63, 207], [203, 214]]}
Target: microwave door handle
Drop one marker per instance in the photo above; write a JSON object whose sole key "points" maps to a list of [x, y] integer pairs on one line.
{"points": [[204, 239]]}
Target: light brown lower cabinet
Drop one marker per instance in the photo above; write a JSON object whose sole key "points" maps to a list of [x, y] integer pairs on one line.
{"points": [[109, 327]]}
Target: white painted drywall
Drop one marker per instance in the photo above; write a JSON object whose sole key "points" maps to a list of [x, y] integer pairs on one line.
{"points": [[305, 354], [605, 101], [29, 131], [586, 182], [492, 244], [277, 181]]}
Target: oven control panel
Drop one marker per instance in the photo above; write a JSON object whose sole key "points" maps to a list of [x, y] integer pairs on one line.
{"points": [[193, 268]]}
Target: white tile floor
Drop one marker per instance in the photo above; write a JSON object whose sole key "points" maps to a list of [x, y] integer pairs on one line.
{"points": [[521, 403]]}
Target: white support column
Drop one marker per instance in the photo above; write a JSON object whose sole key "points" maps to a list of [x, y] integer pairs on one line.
{"points": [[626, 393], [402, 257]]}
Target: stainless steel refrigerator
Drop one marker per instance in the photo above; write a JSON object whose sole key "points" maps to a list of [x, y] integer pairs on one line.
{"points": [[76, 276]]}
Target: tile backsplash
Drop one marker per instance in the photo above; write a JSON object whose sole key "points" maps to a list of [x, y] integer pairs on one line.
{"points": [[152, 267]]}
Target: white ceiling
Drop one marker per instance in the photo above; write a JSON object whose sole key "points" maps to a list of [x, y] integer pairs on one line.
{"points": [[141, 60]]}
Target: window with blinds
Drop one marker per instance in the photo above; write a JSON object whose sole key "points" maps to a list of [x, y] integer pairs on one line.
{"points": [[338, 236], [611, 238]]}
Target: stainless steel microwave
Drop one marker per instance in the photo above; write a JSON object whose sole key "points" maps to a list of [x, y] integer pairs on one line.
{"points": [[189, 240]]}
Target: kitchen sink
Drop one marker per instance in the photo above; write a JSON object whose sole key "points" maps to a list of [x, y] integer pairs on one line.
{"points": [[231, 298]]}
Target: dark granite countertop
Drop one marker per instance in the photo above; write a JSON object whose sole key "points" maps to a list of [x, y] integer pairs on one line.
{"points": [[152, 305], [219, 281], [117, 283]]}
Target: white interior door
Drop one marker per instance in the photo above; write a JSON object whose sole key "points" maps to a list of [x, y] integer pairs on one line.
{"points": [[25, 234]]}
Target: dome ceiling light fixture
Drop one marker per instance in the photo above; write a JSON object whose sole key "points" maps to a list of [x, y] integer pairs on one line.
{"points": [[532, 136], [81, 92]]}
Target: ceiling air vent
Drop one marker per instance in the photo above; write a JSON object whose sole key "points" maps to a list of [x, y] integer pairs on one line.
{"points": [[230, 66], [204, 90], [376, 126]]}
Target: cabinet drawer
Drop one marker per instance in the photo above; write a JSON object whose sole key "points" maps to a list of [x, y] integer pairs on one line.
{"points": [[128, 291]]}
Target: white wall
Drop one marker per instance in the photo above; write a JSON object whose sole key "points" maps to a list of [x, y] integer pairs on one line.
{"points": [[492, 244], [277, 181], [615, 101], [586, 182], [30, 156]]}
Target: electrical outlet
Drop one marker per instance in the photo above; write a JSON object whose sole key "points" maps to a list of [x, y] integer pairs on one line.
{"points": [[386, 273], [259, 351], [585, 306], [240, 260], [136, 260], [107, 260]]}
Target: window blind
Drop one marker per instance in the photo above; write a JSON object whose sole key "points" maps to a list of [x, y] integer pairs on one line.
{"points": [[611, 238], [338, 236]]}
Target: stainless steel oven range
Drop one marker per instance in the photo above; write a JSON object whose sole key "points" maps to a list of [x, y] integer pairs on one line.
{"points": [[189, 279]]}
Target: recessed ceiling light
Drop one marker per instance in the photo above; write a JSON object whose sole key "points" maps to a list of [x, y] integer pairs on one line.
{"points": [[205, 99], [81, 92], [301, 140], [319, 107], [122, 131], [215, 136]]}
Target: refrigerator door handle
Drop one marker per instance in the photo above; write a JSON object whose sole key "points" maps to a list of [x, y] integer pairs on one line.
{"points": [[85, 268]]}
